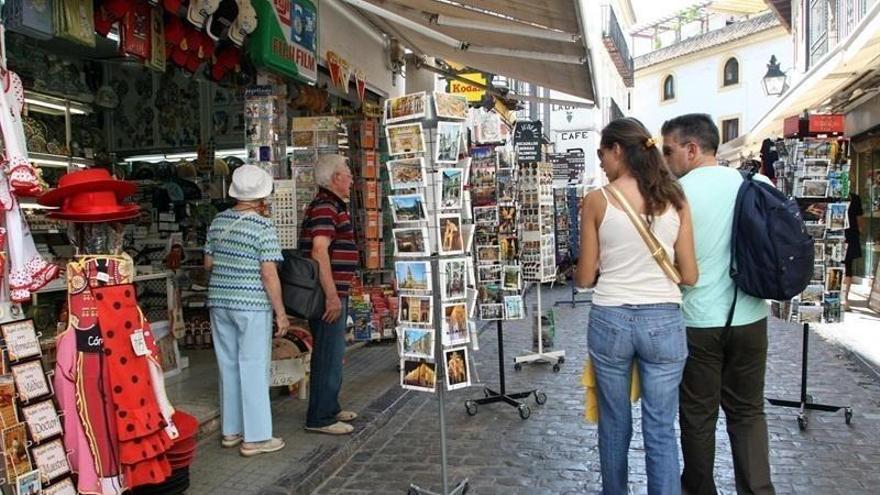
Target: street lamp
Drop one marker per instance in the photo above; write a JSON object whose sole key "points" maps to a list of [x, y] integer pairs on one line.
{"points": [[774, 80]]}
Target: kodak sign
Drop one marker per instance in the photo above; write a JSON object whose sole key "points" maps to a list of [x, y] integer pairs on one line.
{"points": [[472, 92]]}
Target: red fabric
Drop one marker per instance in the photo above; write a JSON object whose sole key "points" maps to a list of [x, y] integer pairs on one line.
{"points": [[139, 423], [93, 375]]}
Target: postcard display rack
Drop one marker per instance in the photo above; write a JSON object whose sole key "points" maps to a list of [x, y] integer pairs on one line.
{"points": [[424, 134], [32, 432], [815, 171], [538, 238]]}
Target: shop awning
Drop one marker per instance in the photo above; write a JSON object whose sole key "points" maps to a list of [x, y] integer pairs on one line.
{"points": [[835, 76], [538, 42]]}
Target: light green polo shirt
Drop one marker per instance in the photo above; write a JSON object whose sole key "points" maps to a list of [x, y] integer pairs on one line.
{"points": [[711, 193]]}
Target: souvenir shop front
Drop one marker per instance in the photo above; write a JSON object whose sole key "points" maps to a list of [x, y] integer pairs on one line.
{"points": [[122, 123]]}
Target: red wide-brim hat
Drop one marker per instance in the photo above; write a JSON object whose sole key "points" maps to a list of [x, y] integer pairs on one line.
{"points": [[90, 195]]}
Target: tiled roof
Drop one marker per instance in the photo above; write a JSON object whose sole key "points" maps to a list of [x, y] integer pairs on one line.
{"points": [[711, 39]]}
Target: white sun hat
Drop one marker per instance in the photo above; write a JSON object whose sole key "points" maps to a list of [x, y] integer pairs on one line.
{"points": [[250, 182]]}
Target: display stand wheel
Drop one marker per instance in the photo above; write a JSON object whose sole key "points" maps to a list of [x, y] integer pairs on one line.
{"points": [[540, 397], [847, 415], [802, 421], [486, 393], [561, 360], [524, 411], [556, 368], [517, 367], [471, 407]]}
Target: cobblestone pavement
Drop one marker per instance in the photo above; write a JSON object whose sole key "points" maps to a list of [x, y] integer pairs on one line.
{"points": [[555, 452]]}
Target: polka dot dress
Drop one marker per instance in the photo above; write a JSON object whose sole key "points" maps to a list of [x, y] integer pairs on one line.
{"points": [[139, 422]]}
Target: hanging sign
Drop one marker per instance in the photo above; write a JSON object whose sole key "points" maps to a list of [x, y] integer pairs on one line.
{"points": [[473, 93], [527, 137], [286, 38], [360, 79]]}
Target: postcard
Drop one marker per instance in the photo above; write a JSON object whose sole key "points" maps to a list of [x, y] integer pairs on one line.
{"points": [[455, 327], [15, 444], [816, 167], [818, 252], [813, 294], [30, 483], [21, 339], [51, 459], [490, 293], [417, 342], [407, 173], [507, 220], [412, 242], [814, 212], [413, 275], [457, 369], [509, 249], [8, 411], [486, 215], [451, 240], [489, 274], [448, 106], [815, 230], [406, 107], [42, 420], [514, 308], [448, 142], [838, 216], [418, 374], [453, 279], [491, 311], [63, 487], [415, 310], [406, 208], [833, 279], [810, 314], [511, 277], [814, 188], [30, 381], [405, 139], [818, 274], [451, 188], [488, 254]]}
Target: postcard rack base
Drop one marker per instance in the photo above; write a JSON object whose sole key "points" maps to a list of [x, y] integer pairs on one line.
{"points": [[806, 400]]}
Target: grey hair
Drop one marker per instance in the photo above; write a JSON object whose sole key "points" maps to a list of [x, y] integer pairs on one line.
{"points": [[327, 166]]}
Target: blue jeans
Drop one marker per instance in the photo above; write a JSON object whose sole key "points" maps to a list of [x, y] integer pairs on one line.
{"points": [[243, 345], [653, 334], [325, 380]]}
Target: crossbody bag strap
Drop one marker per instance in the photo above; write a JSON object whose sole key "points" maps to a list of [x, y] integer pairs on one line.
{"points": [[654, 247]]}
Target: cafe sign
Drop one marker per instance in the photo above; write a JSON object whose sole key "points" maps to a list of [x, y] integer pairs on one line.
{"points": [[286, 39]]}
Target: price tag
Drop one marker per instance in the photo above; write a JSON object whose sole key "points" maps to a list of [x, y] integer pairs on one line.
{"points": [[102, 277], [139, 344]]}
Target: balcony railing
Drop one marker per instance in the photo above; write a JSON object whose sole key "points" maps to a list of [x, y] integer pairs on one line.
{"points": [[829, 23], [615, 41]]}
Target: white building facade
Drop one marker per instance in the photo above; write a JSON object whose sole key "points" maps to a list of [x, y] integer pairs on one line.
{"points": [[578, 127], [719, 73]]}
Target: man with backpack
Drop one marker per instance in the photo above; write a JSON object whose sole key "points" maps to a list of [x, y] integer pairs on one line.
{"points": [[727, 357]]}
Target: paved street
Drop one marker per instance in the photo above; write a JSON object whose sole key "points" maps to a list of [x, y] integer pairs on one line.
{"points": [[555, 451]]}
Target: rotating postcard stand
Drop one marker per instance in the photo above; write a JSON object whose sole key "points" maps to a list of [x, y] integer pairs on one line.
{"points": [[419, 251], [539, 251]]}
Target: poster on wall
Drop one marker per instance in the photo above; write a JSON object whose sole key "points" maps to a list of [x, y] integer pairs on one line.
{"points": [[286, 39]]}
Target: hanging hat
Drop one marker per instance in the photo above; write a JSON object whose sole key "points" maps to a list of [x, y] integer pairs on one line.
{"points": [[221, 168], [90, 195], [250, 182], [245, 23]]}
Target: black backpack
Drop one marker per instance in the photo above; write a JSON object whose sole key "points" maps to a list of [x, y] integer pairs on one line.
{"points": [[771, 253]]}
